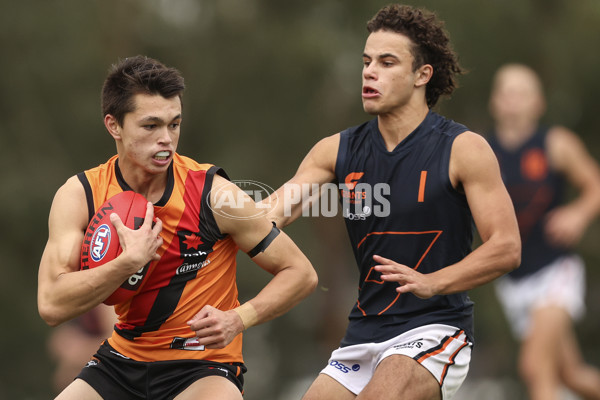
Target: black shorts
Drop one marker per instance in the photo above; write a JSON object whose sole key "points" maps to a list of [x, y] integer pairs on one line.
{"points": [[114, 376]]}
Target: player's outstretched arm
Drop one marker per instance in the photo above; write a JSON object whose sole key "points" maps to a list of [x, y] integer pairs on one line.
{"points": [[63, 290], [293, 275], [317, 168]]}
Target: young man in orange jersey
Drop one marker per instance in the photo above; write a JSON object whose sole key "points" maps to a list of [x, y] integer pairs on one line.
{"points": [[180, 335], [544, 297], [411, 183]]}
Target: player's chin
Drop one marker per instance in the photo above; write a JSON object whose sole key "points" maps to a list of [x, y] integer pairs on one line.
{"points": [[371, 108], [156, 168]]}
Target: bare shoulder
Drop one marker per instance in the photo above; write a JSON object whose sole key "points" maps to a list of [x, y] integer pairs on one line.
{"points": [[325, 151], [331, 142], [72, 187], [564, 147], [559, 134], [468, 142], [319, 164], [472, 160], [235, 212], [219, 184], [69, 205], [226, 199], [470, 153]]}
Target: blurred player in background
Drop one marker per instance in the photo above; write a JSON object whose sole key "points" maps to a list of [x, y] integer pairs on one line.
{"points": [[180, 335], [545, 295], [72, 344], [411, 183]]}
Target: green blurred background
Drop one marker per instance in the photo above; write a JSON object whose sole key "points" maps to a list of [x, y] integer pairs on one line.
{"points": [[265, 80]]}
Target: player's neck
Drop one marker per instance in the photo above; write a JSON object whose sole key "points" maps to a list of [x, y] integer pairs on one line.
{"points": [[152, 187], [395, 127]]}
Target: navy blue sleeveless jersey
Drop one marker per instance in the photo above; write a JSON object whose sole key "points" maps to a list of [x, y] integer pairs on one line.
{"points": [[401, 205], [535, 190]]}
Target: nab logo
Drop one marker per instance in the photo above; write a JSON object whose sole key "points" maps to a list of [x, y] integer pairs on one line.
{"points": [[100, 242]]}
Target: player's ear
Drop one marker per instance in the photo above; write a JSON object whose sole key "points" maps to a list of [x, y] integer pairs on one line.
{"points": [[113, 127], [423, 74]]}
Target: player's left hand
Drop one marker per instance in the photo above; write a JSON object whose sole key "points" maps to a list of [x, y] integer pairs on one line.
{"points": [[214, 328], [409, 280]]}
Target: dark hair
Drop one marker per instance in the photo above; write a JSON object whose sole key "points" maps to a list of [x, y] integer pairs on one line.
{"points": [[431, 45], [138, 75]]}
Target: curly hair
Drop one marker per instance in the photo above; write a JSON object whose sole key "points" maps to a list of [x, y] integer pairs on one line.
{"points": [[431, 45], [138, 75]]}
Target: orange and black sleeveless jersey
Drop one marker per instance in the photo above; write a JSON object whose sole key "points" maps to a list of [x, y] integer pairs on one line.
{"points": [[401, 205], [535, 189], [197, 267]]}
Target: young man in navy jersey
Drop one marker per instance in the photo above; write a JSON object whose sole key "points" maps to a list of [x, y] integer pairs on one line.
{"points": [[411, 184], [543, 297]]}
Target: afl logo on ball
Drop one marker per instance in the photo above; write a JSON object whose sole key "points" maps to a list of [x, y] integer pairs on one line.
{"points": [[100, 242]]}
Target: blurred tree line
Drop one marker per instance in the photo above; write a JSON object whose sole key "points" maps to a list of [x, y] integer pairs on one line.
{"points": [[265, 80]]}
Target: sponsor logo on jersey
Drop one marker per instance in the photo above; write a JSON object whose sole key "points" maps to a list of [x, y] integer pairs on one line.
{"points": [[352, 179], [187, 268], [194, 252], [366, 211], [534, 165]]}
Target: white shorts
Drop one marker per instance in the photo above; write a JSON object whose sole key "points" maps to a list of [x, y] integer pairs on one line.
{"points": [[561, 283], [444, 350]]}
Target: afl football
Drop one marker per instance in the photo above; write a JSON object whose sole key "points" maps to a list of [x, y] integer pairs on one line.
{"points": [[101, 242]]}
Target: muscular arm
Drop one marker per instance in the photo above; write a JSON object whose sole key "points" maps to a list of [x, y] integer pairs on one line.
{"points": [[568, 155], [63, 290], [317, 168], [293, 275], [473, 167]]}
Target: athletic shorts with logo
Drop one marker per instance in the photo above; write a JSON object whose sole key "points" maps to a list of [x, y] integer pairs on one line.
{"points": [[444, 350], [115, 376]]}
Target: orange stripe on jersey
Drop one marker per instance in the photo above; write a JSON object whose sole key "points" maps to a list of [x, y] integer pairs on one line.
{"points": [[391, 304], [396, 233], [372, 271], [421, 197], [438, 233]]}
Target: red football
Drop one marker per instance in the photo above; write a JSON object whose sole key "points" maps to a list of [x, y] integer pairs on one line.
{"points": [[101, 242]]}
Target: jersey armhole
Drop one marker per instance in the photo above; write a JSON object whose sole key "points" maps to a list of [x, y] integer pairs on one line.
{"points": [[89, 196], [340, 163], [208, 225]]}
